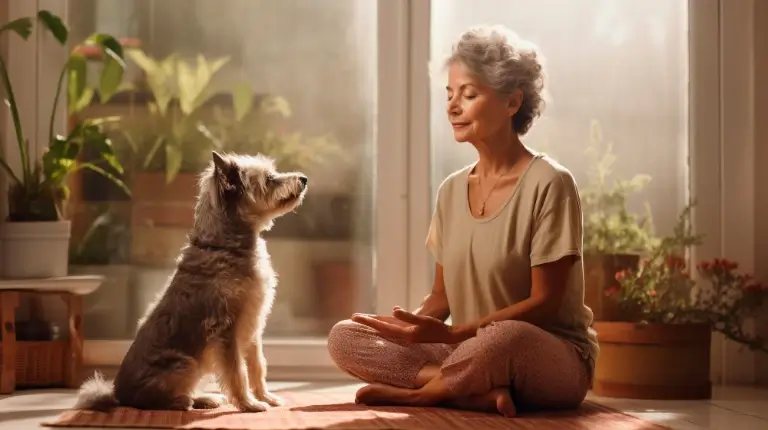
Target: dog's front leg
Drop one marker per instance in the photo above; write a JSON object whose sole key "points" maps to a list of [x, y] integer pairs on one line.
{"points": [[233, 375], [257, 373]]}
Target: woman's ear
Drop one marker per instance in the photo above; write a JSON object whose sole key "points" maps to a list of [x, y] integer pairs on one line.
{"points": [[514, 102]]}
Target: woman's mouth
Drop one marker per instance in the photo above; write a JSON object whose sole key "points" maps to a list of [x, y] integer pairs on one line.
{"points": [[458, 125]]}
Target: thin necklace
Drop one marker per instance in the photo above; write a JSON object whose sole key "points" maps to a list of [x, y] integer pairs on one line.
{"points": [[482, 205]]}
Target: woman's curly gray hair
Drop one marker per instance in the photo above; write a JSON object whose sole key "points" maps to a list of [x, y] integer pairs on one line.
{"points": [[506, 62]]}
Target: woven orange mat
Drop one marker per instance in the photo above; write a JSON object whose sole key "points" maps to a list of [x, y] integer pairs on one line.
{"points": [[321, 411]]}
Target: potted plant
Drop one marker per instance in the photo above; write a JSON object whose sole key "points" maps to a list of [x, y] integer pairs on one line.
{"points": [[665, 352], [35, 236], [614, 238]]}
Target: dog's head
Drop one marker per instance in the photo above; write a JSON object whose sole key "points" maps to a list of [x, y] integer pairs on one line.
{"points": [[250, 188]]}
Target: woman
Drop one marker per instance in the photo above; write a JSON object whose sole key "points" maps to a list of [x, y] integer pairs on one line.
{"points": [[506, 234]]}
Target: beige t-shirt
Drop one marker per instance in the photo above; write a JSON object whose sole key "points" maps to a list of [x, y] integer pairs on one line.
{"points": [[487, 262]]}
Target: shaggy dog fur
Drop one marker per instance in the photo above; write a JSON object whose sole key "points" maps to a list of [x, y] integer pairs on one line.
{"points": [[211, 315]]}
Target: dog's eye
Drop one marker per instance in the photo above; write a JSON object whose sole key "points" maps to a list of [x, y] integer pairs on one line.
{"points": [[271, 179]]}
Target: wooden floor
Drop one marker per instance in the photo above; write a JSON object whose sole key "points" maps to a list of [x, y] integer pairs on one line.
{"points": [[732, 408]]}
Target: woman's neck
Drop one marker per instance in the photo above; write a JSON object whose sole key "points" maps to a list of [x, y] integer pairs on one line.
{"points": [[499, 155]]}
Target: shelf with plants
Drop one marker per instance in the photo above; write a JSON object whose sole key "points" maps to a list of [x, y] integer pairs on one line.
{"points": [[174, 115]]}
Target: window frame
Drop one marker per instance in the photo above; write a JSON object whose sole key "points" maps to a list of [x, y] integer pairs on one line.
{"points": [[720, 111]]}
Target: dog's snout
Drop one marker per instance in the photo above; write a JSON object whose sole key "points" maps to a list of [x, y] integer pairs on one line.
{"points": [[303, 180]]}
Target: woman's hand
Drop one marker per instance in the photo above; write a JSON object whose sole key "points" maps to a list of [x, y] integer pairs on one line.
{"points": [[407, 328]]}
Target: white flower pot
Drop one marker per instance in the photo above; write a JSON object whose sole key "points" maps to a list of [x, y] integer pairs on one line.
{"points": [[34, 249]]}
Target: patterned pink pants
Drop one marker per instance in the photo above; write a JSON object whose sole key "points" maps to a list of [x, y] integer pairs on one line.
{"points": [[541, 370]]}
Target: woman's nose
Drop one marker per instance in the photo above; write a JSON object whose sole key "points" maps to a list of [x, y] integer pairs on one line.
{"points": [[453, 108]]}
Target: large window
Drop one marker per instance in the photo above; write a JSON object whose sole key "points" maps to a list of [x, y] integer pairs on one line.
{"points": [[309, 70], [617, 78]]}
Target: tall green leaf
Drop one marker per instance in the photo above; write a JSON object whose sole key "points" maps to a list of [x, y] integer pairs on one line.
{"points": [[113, 59], [20, 141], [111, 77], [54, 25], [173, 158], [242, 98], [21, 26]]}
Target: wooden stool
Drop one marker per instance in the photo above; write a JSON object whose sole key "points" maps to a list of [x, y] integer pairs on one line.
{"points": [[71, 289]]}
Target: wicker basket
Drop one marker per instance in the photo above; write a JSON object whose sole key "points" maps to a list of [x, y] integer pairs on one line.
{"points": [[40, 364]]}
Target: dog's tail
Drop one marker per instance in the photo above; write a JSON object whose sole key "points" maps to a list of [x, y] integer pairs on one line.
{"points": [[96, 394]]}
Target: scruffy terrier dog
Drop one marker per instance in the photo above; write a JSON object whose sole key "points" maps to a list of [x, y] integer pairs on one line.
{"points": [[211, 315]]}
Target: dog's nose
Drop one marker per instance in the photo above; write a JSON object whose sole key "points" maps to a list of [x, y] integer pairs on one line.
{"points": [[303, 180]]}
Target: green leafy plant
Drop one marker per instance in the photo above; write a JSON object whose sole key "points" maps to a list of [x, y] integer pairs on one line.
{"points": [[609, 226], [659, 290], [39, 193], [172, 139], [253, 129], [663, 291]]}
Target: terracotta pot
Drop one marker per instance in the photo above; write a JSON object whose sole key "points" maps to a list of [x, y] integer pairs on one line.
{"points": [[335, 289], [599, 277], [161, 216], [653, 361]]}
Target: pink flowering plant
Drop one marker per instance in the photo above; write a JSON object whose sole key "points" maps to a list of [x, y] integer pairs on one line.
{"points": [[661, 290]]}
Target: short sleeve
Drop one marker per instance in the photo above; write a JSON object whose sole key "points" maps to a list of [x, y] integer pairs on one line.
{"points": [[434, 235], [434, 240], [557, 230]]}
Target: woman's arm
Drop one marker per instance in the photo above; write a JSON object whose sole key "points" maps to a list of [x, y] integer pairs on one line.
{"points": [[548, 284], [435, 304]]}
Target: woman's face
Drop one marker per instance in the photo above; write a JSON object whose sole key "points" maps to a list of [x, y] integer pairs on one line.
{"points": [[475, 111]]}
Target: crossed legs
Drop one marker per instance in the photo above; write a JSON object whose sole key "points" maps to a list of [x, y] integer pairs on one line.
{"points": [[508, 363]]}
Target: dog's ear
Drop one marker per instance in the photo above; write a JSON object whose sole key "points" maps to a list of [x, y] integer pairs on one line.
{"points": [[220, 163], [227, 174]]}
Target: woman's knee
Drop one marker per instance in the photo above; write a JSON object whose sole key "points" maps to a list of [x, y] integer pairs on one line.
{"points": [[345, 336], [514, 334]]}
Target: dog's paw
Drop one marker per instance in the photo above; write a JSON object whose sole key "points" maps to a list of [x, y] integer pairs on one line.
{"points": [[270, 398], [180, 403], [209, 401], [250, 404]]}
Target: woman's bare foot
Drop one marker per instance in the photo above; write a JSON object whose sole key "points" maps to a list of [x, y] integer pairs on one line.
{"points": [[497, 400], [381, 395], [426, 374]]}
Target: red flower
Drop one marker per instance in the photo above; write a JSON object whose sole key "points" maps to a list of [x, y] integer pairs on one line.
{"points": [[620, 275], [652, 293], [611, 291], [705, 266]]}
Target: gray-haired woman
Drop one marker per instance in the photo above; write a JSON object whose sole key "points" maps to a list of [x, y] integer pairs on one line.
{"points": [[506, 234]]}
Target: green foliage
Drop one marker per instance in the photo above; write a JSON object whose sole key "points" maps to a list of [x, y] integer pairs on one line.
{"points": [[252, 130], [662, 290], [609, 227], [41, 190], [173, 136]]}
